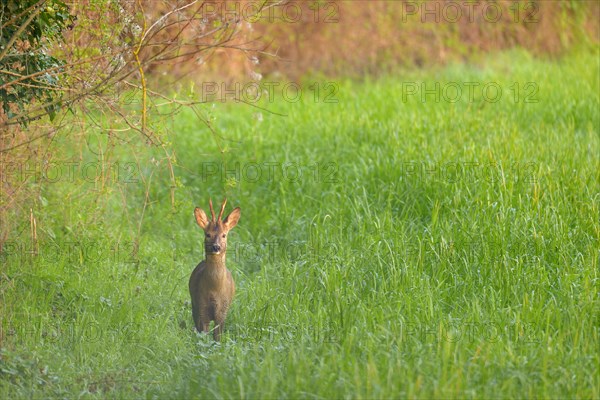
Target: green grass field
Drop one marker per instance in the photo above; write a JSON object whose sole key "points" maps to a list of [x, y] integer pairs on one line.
{"points": [[388, 247]]}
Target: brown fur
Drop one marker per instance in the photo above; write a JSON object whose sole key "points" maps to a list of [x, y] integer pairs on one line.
{"points": [[211, 284]]}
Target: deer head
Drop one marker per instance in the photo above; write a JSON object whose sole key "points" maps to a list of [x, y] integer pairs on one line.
{"points": [[215, 230]]}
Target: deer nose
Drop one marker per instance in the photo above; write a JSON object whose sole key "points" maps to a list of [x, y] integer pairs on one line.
{"points": [[216, 248]]}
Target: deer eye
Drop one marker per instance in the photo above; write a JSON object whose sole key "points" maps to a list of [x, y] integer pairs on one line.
{"points": [[208, 235], [224, 235]]}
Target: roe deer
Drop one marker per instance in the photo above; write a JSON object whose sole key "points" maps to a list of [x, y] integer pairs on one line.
{"points": [[211, 283]]}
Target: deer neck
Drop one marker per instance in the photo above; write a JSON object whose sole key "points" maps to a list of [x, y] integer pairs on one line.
{"points": [[215, 264]]}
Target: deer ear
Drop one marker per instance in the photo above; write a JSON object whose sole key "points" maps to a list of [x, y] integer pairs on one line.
{"points": [[201, 218], [232, 219]]}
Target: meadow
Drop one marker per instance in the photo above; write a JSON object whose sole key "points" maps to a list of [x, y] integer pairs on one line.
{"points": [[397, 239]]}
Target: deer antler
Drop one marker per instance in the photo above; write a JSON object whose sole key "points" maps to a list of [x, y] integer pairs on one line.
{"points": [[212, 211], [222, 208]]}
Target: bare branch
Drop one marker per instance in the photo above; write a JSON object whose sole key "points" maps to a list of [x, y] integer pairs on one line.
{"points": [[19, 31]]}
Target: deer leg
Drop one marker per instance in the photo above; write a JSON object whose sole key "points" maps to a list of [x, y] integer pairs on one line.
{"points": [[196, 316], [219, 325], [202, 320], [220, 322]]}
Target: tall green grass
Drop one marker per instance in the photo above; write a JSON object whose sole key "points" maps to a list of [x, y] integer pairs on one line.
{"points": [[427, 249]]}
